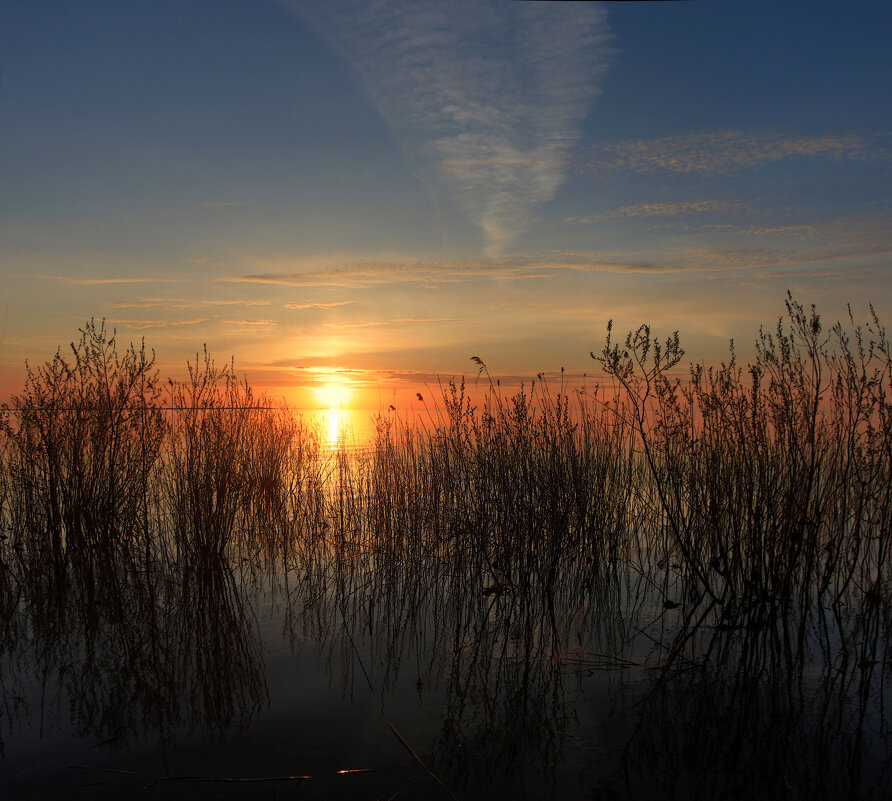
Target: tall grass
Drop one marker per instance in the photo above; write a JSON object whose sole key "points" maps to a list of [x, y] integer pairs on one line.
{"points": [[731, 525], [81, 443], [773, 481], [208, 466], [747, 493], [767, 485]]}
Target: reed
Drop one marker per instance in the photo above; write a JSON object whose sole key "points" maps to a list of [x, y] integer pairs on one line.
{"points": [[81, 443], [745, 494], [729, 529], [773, 480], [95, 457]]}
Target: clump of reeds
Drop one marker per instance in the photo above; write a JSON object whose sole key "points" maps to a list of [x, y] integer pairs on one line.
{"points": [[525, 485], [82, 440], [207, 464], [237, 469], [734, 518], [748, 498], [93, 458], [772, 483], [748, 492], [8, 586]]}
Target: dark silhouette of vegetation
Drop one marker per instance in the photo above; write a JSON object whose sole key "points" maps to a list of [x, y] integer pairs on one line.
{"points": [[716, 546]]}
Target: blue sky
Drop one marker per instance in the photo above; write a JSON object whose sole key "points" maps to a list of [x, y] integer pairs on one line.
{"points": [[367, 194]]}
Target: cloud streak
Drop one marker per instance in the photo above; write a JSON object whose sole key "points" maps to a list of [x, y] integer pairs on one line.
{"points": [[426, 274], [680, 208], [103, 281], [678, 260], [317, 306], [235, 303], [396, 321], [756, 246], [173, 303], [719, 152], [140, 325], [152, 303], [486, 98]]}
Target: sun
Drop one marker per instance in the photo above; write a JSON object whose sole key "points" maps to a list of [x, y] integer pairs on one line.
{"points": [[333, 395]]}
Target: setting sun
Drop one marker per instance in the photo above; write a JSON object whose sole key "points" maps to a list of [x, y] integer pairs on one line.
{"points": [[333, 396]]}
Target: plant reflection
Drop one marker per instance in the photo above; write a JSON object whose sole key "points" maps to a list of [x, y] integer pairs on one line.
{"points": [[735, 715], [690, 708], [135, 648]]}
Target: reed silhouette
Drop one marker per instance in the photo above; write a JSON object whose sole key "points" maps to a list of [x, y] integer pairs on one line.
{"points": [[714, 547]]}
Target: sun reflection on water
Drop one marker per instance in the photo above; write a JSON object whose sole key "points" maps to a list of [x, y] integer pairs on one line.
{"points": [[337, 428]]}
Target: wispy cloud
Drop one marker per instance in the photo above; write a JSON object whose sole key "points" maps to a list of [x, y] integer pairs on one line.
{"points": [[846, 274], [487, 98], [748, 247], [318, 306], [799, 230], [250, 326], [720, 152], [396, 321], [101, 281], [174, 303], [674, 260], [152, 303], [235, 303], [436, 273], [140, 325], [701, 259], [677, 209]]}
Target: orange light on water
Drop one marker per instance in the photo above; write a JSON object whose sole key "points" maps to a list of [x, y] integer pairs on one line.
{"points": [[336, 427]]}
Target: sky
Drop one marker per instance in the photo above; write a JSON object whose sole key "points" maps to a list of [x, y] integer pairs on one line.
{"points": [[354, 198]]}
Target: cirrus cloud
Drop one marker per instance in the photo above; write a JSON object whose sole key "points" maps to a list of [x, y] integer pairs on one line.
{"points": [[721, 152], [486, 98]]}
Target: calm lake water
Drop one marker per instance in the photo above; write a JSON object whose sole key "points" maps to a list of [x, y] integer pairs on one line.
{"points": [[426, 680]]}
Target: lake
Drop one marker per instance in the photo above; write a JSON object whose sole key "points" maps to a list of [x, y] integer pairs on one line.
{"points": [[423, 680]]}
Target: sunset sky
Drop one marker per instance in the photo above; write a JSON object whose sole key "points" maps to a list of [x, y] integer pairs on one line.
{"points": [[366, 194]]}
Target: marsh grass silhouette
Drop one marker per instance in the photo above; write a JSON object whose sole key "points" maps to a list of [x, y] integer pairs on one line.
{"points": [[86, 436], [224, 458], [774, 482], [722, 537]]}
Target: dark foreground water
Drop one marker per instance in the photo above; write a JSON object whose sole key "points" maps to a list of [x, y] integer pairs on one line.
{"points": [[425, 678]]}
